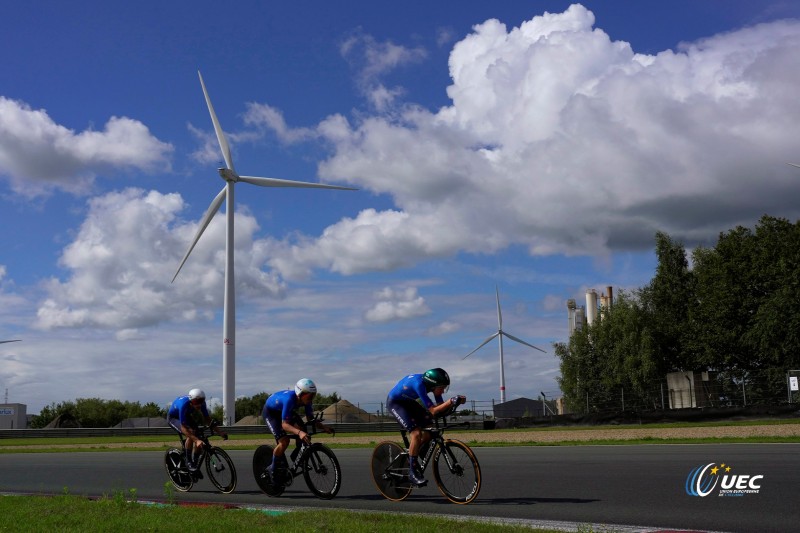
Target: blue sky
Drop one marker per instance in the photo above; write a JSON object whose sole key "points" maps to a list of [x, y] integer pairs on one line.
{"points": [[532, 146]]}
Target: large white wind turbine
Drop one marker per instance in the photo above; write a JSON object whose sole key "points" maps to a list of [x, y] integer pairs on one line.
{"points": [[229, 310], [500, 333]]}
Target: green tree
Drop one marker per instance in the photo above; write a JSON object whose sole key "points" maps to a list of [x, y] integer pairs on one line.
{"points": [[321, 401], [666, 302], [51, 412], [581, 371], [727, 300], [251, 406], [774, 332]]}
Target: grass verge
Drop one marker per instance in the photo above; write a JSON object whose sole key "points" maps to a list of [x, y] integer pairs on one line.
{"points": [[119, 512]]}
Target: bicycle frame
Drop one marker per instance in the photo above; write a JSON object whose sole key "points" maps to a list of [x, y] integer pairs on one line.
{"points": [[429, 448], [313, 461], [455, 467], [215, 460], [200, 433]]}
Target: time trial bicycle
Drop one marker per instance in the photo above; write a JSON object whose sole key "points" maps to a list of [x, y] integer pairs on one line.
{"points": [[455, 467], [315, 462], [218, 464]]}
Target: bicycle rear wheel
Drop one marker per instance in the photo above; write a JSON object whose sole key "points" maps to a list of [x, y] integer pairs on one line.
{"points": [[321, 471], [177, 471], [457, 472], [262, 458], [220, 470], [390, 471]]}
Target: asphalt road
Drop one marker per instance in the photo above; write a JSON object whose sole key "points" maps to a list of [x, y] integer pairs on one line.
{"points": [[642, 486]]}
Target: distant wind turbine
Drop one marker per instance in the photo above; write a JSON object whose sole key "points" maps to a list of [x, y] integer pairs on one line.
{"points": [[229, 310], [15, 340], [500, 333]]}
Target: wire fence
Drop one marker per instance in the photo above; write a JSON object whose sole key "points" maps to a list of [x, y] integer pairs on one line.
{"points": [[377, 412], [683, 390]]}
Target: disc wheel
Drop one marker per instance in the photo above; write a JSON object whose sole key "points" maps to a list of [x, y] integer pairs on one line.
{"points": [[390, 471], [457, 472], [322, 472], [262, 458], [220, 470], [177, 471]]}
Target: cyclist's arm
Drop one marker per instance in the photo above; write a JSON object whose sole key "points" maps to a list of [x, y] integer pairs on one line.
{"points": [[187, 428], [293, 429], [319, 425], [445, 407], [215, 428], [442, 409]]}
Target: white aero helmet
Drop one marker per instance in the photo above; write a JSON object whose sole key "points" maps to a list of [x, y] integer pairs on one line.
{"points": [[194, 394], [305, 385]]}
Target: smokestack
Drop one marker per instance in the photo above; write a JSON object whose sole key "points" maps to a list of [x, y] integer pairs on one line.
{"points": [[591, 306], [571, 316]]}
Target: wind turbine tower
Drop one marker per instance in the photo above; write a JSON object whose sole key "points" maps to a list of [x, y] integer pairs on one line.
{"points": [[229, 175], [500, 334]]}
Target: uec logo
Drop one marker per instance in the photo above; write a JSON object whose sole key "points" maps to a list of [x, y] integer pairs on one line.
{"points": [[703, 479], [700, 484]]}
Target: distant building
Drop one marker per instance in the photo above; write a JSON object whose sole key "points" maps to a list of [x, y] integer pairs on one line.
{"points": [[13, 416], [519, 408]]}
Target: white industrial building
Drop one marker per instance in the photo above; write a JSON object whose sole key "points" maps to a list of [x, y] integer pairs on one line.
{"points": [[13, 416], [595, 307]]}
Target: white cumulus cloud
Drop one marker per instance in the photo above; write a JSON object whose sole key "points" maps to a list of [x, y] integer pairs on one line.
{"points": [[563, 140], [397, 304], [38, 155], [126, 252]]}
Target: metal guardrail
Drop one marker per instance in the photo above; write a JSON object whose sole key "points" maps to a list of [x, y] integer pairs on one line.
{"points": [[341, 427]]}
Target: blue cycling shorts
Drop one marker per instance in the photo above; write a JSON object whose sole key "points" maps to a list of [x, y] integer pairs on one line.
{"points": [[409, 414], [275, 424]]}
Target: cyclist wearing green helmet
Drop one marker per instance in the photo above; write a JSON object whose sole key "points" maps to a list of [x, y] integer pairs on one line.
{"points": [[410, 404]]}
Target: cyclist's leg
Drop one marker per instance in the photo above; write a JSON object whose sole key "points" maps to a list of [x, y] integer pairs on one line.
{"points": [[175, 424], [273, 421], [409, 415]]}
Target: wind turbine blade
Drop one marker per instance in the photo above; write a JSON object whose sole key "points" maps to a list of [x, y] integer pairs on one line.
{"points": [[275, 182], [499, 315], [484, 343], [798, 166], [210, 212], [513, 338], [223, 142], [15, 340]]}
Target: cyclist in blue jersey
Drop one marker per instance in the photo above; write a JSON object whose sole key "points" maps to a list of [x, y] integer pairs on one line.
{"points": [[410, 404], [184, 415], [281, 419]]}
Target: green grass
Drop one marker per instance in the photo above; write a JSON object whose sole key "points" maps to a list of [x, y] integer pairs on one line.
{"points": [[120, 512]]}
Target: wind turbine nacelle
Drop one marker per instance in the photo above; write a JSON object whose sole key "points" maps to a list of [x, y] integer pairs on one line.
{"points": [[228, 174]]}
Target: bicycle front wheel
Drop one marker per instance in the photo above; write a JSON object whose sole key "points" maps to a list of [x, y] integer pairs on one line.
{"points": [[457, 472], [321, 471], [390, 471], [220, 470], [262, 458], [178, 474]]}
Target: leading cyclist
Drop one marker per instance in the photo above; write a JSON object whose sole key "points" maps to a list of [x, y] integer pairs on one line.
{"points": [[410, 404], [281, 419], [185, 415]]}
